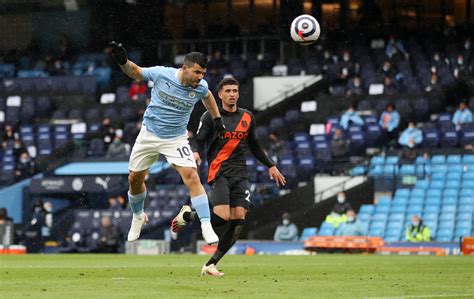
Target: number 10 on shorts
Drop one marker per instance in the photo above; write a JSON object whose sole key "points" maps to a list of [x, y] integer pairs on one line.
{"points": [[184, 151]]}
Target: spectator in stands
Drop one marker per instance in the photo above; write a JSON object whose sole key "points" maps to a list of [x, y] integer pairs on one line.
{"points": [[417, 231], [354, 87], [217, 62], [34, 231], [347, 63], [438, 62], [276, 145], [137, 88], [389, 87], [9, 135], [109, 236], [388, 70], [353, 227], [389, 122], [411, 137], [25, 167], [106, 131], [338, 214], [123, 204], [7, 229], [113, 204], [462, 115], [351, 117], [286, 231], [48, 219], [340, 145], [18, 149], [117, 149], [434, 86], [395, 48]]}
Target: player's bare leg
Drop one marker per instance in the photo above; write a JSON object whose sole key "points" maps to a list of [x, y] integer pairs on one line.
{"points": [[199, 201], [136, 197]]}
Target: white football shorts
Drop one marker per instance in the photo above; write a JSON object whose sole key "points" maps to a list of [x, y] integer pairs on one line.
{"points": [[148, 147]]}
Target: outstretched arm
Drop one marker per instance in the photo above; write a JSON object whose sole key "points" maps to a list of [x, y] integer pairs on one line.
{"points": [[118, 52], [210, 103], [261, 156]]}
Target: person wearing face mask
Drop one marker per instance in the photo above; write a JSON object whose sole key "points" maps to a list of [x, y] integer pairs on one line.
{"points": [[411, 137], [286, 231], [389, 121], [353, 227], [338, 214], [351, 117], [34, 232], [24, 167], [117, 149], [462, 115], [354, 87], [417, 231]]}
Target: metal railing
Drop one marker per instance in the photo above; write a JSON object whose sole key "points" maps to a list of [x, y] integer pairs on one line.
{"points": [[169, 49]]}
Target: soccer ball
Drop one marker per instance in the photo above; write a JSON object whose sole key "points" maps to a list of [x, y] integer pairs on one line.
{"points": [[305, 30]]}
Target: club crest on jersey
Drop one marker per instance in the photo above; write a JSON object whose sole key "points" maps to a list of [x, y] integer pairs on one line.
{"points": [[236, 135], [244, 124], [192, 94]]}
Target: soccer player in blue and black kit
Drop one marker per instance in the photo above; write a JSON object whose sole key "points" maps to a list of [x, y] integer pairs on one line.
{"points": [[228, 178], [164, 132]]}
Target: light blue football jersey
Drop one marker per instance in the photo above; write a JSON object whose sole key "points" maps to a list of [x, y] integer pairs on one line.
{"points": [[171, 104]]}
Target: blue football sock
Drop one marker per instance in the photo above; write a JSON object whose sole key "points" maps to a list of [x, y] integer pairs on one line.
{"points": [[137, 202], [201, 205]]}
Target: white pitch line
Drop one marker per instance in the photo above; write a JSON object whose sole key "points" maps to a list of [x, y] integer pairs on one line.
{"points": [[423, 296]]}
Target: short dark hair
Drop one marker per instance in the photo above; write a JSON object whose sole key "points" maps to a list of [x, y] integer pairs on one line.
{"points": [[195, 57], [227, 81]]}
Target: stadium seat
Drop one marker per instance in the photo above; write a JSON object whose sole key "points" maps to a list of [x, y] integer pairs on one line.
{"points": [[450, 200], [366, 209], [384, 201], [453, 159], [308, 232], [402, 192], [416, 192], [400, 201], [398, 209], [422, 184], [407, 169], [414, 210], [438, 159]]}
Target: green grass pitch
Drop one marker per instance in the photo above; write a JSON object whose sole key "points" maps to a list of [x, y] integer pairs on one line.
{"points": [[177, 276]]}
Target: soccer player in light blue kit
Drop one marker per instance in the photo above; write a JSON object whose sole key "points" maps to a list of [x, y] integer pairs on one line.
{"points": [[164, 132]]}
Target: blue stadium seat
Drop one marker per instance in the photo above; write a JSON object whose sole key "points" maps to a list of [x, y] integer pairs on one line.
{"points": [[414, 210], [305, 168], [327, 231], [463, 224], [397, 217], [450, 200], [364, 217], [453, 159], [358, 170], [462, 232], [430, 138], [402, 192], [456, 168], [381, 210], [433, 193], [447, 217], [373, 135], [366, 209], [451, 192], [414, 201], [439, 168], [379, 217], [436, 185], [391, 160], [468, 159], [421, 161], [416, 192], [467, 192], [384, 201], [308, 232], [438, 159], [449, 139], [453, 181], [301, 137], [376, 170], [431, 209], [377, 160], [400, 201], [398, 209], [438, 176], [408, 169], [444, 235], [422, 184], [448, 208]]}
